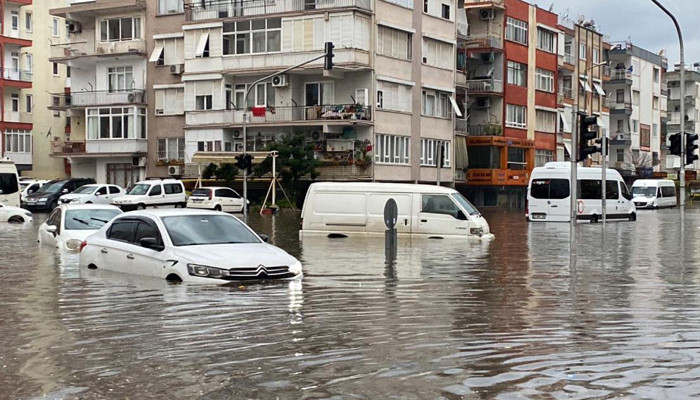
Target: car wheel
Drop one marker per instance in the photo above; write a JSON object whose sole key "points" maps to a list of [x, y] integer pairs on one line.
{"points": [[88, 202], [15, 220], [183, 205], [141, 207], [594, 219], [633, 217], [217, 207]]}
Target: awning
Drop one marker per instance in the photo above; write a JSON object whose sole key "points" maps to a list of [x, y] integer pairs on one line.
{"points": [[599, 89], [586, 86], [157, 53], [565, 122], [202, 44], [567, 148], [455, 107], [461, 154]]}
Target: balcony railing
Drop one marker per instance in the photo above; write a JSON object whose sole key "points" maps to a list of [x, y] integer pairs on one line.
{"points": [[621, 106], [197, 10], [569, 59], [566, 92], [275, 115], [19, 75], [484, 130], [483, 41], [98, 98], [485, 86], [606, 70], [60, 147], [622, 74]]}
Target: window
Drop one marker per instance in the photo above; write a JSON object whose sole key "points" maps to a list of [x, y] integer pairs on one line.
{"points": [[121, 79], [655, 102], [203, 102], [394, 96], [402, 3], [620, 155], [155, 190], [18, 141], [549, 189], [517, 73], [226, 193], [172, 188], [542, 157], [14, 18], [116, 123], [15, 102], [439, 204], [645, 136], [582, 51], [516, 116], [544, 80], [426, 6], [516, 31], [393, 43], [436, 104], [596, 56], [315, 93], [620, 96], [256, 36], [114, 190], [516, 158], [657, 75], [668, 191], [168, 52], [446, 11], [55, 69], [120, 29], [545, 40], [29, 103], [170, 101], [29, 63], [438, 54], [546, 121], [635, 125], [635, 97], [54, 27], [146, 230], [590, 189], [170, 6], [171, 149], [429, 150], [391, 149], [123, 231], [28, 22]]}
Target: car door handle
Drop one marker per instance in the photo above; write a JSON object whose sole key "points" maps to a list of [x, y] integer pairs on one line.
{"points": [[104, 251], [130, 256], [424, 220]]}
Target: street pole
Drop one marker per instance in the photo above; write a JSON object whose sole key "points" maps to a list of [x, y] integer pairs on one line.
{"points": [[682, 119], [439, 161]]}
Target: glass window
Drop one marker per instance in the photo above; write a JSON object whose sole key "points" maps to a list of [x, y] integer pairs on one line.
{"points": [[394, 96], [438, 54], [114, 190], [140, 189], [430, 150], [542, 157], [8, 183], [120, 29], [516, 116], [516, 31], [544, 80], [439, 204], [517, 73], [146, 230], [436, 104], [582, 51], [590, 189], [192, 230], [545, 40], [516, 158], [394, 43], [257, 36], [123, 231], [391, 149], [155, 191], [170, 6], [468, 207], [612, 191], [549, 189]]}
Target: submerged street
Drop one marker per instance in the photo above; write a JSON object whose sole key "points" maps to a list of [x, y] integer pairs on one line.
{"points": [[451, 319]]}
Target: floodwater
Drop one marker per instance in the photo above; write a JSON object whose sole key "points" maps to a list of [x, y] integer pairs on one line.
{"points": [[451, 319]]}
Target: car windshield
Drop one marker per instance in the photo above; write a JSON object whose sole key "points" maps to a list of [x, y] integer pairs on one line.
{"points": [[141, 188], [200, 193], [468, 207], [85, 190], [641, 191], [192, 230], [51, 188], [83, 220]]}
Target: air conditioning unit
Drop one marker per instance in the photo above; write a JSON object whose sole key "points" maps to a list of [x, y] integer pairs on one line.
{"points": [[483, 102], [138, 161], [74, 27], [280, 81], [486, 14], [236, 133], [487, 57], [174, 170], [620, 137], [131, 97], [177, 69]]}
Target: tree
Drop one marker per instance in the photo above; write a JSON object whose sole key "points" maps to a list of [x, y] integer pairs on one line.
{"points": [[295, 161], [223, 172]]}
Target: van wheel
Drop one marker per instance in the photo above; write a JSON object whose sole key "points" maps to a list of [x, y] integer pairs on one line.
{"points": [[217, 208], [183, 205], [594, 219], [141, 207], [633, 217]]}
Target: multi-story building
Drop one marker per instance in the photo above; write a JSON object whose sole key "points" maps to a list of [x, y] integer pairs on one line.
{"points": [[107, 138], [382, 113], [507, 65], [637, 101], [692, 112], [583, 71]]}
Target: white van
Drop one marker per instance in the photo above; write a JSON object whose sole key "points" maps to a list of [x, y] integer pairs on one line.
{"points": [[9, 183], [341, 209], [548, 194], [153, 193], [654, 193]]}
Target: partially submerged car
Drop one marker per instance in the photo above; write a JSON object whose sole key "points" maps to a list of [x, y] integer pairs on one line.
{"points": [[69, 224]]}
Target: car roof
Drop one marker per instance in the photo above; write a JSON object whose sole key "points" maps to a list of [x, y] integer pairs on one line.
{"points": [[372, 187], [213, 187], [150, 181], [170, 212], [70, 207]]}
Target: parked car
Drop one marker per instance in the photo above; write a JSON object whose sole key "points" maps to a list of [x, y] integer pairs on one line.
{"points": [[153, 193], [9, 183], [69, 224], [216, 198], [654, 193], [46, 198], [194, 246], [92, 194], [14, 214], [29, 186]]}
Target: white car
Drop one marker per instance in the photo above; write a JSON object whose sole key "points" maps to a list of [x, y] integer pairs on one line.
{"points": [[153, 193], [29, 186], [216, 198], [69, 224], [14, 214], [92, 194], [193, 246]]}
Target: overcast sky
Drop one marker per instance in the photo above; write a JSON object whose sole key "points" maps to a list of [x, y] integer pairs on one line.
{"points": [[642, 21]]}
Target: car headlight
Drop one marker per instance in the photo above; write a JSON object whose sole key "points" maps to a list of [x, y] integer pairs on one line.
{"points": [[295, 268], [206, 271], [477, 231], [43, 199]]}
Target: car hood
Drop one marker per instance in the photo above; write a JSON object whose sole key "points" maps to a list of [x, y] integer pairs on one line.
{"points": [[40, 195], [235, 255]]}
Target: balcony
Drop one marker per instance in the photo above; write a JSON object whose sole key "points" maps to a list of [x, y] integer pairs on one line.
{"points": [[17, 78], [213, 9], [565, 93], [345, 171], [63, 101], [478, 129], [19, 158], [606, 71], [483, 42], [483, 3], [497, 177], [91, 8], [66, 148], [569, 59], [484, 86], [620, 107], [96, 148], [621, 76], [339, 114], [90, 51]]}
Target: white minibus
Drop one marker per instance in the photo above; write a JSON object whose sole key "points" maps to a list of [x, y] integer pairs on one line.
{"points": [[654, 193], [337, 209], [548, 194], [9, 183]]}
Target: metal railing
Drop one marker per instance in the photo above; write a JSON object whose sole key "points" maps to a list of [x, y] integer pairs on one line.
{"points": [[197, 10], [12, 74], [566, 92], [622, 74], [59, 147], [484, 85], [97, 98], [483, 41], [606, 70], [626, 106], [569, 59]]}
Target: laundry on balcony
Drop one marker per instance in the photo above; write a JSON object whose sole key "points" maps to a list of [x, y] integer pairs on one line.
{"points": [[259, 111], [342, 111]]}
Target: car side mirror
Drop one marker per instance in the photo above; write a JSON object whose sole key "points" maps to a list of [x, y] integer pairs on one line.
{"points": [[461, 215], [64, 191], [52, 229], [99, 194], [264, 237], [151, 243]]}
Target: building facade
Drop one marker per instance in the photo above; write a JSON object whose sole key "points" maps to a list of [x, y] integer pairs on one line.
{"points": [[692, 113]]}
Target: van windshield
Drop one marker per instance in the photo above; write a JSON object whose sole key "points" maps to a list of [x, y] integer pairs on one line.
{"points": [[140, 189], [468, 207], [8, 183], [641, 191]]}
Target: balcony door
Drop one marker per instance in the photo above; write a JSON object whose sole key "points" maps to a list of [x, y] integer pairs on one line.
{"points": [[318, 94], [14, 67]]}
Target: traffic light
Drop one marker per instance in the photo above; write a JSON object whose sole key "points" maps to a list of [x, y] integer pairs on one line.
{"points": [[603, 141], [675, 147], [240, 161], [587, 132], [690, 147], [328, 62]]}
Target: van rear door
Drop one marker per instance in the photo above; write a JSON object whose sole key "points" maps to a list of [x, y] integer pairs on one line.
{"points": [[551, 199]]}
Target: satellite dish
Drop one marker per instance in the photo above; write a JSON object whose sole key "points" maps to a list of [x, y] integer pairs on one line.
{"points": [[580, 19]]}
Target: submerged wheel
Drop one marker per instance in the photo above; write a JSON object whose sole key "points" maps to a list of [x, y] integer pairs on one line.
{"points": [[173, 278], [633, 217], [217, 207], [141, 207], [594, 219], [15, 220]]}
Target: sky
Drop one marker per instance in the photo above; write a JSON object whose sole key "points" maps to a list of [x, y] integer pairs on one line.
{"points": [[640, 20]]}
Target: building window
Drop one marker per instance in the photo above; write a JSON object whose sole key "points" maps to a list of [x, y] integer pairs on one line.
{"points": [[655, 102], [425, 6], [545, 40], [546, 121], [18, 141], [15, 102], [116, 123], [120, 29], [657, 75], [446, 11], [582, 51], [170, 6], [168, 52], [645, 136], [516, 31], [438, 54], [29, 63], [256, 36], [394, 43], [596, 56], [542, 157], [544, 80], [516, 158], [120, 79], [620, 155], [203, 102], [402, 3], [635, 97], [171, 149], [392, 149], [315, 94], [170, 101], [620, 96], [14, 20], [55, 69], [29, 103], [516, 116], [429, 150], [28, 22], [394, 96], [517, 73], [635, 126], [436, 104], [54, 27]]}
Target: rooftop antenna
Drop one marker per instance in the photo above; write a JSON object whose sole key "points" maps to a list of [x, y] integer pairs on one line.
{"points": [[551, 7], [580, 19]]}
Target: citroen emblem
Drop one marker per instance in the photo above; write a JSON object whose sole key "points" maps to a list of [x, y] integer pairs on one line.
{"points": [[261, 270]]}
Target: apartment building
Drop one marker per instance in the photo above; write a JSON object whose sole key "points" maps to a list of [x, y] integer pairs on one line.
{"points": [[692, 113], [507, 64], [583, 72], [106, 100], [637, 99]]}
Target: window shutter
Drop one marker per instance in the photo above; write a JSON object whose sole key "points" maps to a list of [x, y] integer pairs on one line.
{"points": [[287, 35], [308, 34], [160, 100], [336, 30], [319, 33], [180, 101]]}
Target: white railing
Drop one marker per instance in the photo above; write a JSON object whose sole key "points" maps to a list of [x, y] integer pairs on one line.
{"points": [[198, 10]]}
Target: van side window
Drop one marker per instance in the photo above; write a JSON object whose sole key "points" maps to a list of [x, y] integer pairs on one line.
{"points": [[549, 189], [168, 188], [589, 189], [668, 191], [439, 204], [611, 190], [155, 190]]}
